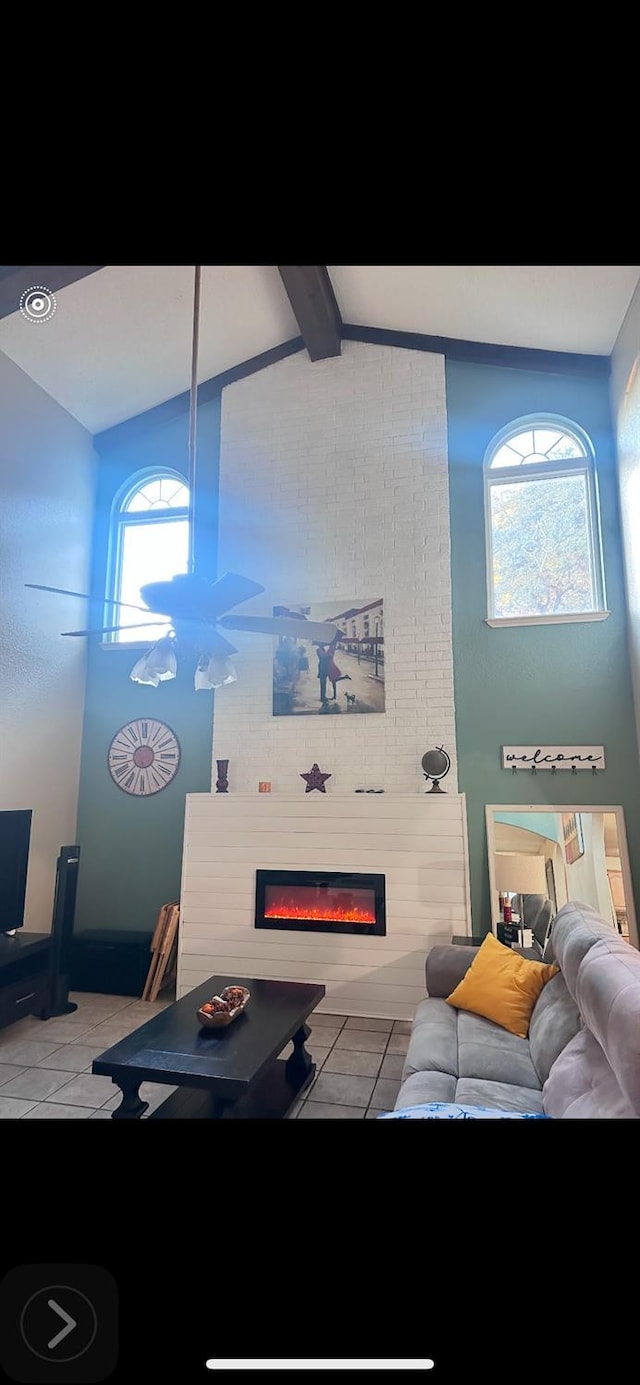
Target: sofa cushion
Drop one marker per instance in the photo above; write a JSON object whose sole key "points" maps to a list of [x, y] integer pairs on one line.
{"points": [[445, 967], [444, 1040], [598, 1073], [555, 1020], [575, 930], [582, 1085], [426, 1086], [608, 993], [474, 1091], [426, 1009], [433, 1046], [485, 1050], [501, 986]]}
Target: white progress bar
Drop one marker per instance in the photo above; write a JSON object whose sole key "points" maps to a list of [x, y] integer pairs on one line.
{"points": [[252, 1363]]}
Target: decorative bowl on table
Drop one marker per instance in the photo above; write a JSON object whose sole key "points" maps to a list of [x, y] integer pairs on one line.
{"points": [[223, 1009]]}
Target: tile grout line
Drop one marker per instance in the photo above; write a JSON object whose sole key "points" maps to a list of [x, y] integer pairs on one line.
{"points": [[84, 1071], [383, 1055]]}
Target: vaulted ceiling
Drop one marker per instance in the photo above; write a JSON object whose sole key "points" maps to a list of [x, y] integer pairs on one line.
{"points": [[119, 341]]}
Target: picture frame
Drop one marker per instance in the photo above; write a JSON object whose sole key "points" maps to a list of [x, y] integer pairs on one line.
{"points": [[344, 678], [573, 837]]}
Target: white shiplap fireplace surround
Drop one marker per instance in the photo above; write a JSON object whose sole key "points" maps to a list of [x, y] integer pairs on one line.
{"points": [[334, 488]]}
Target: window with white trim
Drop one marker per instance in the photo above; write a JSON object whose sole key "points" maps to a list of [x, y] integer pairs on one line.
{"points": [[544, 554], [149, 542]]}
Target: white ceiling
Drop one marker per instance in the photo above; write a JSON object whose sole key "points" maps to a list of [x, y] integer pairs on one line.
{"points": [[120, 339], [553, 307]]}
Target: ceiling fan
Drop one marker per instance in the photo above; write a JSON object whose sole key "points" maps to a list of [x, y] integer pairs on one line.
{"points": [[197, 609]]}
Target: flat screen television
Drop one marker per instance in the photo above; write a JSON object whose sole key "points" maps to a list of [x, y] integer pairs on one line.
{"points": [[15, 833]]}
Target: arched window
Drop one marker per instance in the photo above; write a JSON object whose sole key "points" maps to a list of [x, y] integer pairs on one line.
{"points": [[149, 542], [544, 557]]}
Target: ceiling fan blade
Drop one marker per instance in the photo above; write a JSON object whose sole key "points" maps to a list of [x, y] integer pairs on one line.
{"points": [[231, 590], [109, 601], [63, 591], [190, 597], [111, 629], [316, 630]]}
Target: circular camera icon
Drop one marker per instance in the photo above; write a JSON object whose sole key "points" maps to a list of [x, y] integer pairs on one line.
{"points": [[37, 304]]}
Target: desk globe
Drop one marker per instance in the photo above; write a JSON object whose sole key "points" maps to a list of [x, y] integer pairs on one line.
{"points": [[435, 764]]}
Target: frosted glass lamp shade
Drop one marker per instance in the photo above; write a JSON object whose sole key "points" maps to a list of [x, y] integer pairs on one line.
{"points": [[157, 665], [214, 672]]}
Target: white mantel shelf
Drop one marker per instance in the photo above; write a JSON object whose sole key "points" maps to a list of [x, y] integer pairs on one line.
{"points": [[419, 842]]}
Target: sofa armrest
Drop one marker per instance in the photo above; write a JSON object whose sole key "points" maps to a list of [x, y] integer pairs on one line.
{"points": [[445, 966]]}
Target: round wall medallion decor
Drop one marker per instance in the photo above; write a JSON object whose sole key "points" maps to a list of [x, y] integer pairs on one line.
{"points": [[144, 756]]}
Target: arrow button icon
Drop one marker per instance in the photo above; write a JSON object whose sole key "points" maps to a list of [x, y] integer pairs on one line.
{"points": [[58, 1323], [69, 1324]]}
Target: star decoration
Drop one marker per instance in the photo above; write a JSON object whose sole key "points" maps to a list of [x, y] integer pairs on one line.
{"points": [[315, 779]]}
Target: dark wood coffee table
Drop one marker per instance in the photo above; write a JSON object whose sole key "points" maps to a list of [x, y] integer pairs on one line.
{"points": [[234, 1071]]}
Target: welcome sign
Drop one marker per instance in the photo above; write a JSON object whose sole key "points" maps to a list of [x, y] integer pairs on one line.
{"points": [[554, 757]]}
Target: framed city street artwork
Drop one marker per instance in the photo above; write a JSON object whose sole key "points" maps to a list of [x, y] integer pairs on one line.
{"points": [[344, 678]]}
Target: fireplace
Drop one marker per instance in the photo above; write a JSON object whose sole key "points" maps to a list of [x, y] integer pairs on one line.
{"points": [[311, 901]]}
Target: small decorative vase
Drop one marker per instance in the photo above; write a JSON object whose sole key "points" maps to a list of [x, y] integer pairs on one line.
{"points": [[222, 783]]}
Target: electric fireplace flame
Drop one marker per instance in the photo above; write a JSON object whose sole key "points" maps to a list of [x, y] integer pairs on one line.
{"points": [[331, 901], [329, 912]]}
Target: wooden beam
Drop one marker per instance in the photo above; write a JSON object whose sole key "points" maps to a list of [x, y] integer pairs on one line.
{"points": [[485, 352], [14, 279], [311, 296]]}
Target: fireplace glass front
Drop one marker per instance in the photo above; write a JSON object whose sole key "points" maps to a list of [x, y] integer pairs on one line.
{"points": [[321, 902]]}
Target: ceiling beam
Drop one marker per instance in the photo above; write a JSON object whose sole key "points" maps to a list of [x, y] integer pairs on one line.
{"points": [[311, 296], [14, 279]]}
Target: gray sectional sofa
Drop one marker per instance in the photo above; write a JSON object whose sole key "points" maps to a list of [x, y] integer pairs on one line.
{"points": [[582, 1055]]}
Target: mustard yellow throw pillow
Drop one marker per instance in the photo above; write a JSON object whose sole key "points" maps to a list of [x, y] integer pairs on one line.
{"points": [[502, 986]]}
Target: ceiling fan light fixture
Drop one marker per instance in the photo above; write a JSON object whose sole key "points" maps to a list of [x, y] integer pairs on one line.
{"points": [[157, 665], [213, 671]]}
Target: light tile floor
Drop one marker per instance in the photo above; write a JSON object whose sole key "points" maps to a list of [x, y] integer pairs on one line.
{"points": [[45, 1066], [359, 1064]]}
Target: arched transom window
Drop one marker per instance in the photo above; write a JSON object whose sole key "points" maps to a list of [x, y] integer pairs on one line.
{"points": [[544, 559], [149, 543]]}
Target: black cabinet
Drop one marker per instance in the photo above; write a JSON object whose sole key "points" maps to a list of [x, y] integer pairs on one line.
{"points": [[25, 975], [111, 961]]}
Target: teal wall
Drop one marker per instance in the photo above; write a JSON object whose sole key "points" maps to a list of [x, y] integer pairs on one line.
{"points": [[557, 684], [131, 849]]}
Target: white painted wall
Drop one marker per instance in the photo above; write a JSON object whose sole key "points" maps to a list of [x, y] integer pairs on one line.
{"points": [[334, 488], [587, 877], [47, 473], [417, 841], [625, 403]]}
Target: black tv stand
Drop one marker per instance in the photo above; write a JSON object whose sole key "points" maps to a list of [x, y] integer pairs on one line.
{"points": [[25, 975]]}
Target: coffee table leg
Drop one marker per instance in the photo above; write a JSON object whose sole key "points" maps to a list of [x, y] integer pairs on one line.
{"points": [[131, 1107], [300, 1065], [221, 1107]]}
